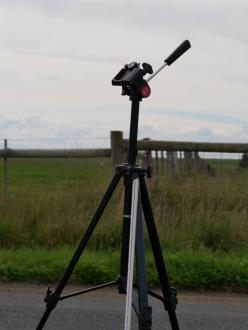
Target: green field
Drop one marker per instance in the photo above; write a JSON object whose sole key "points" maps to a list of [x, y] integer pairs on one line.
{"points": [[51, 201]]}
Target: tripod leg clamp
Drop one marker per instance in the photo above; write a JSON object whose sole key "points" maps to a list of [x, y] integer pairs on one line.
{"points": [[122, 284], [171, 302], [51, 299], [145, 318]]}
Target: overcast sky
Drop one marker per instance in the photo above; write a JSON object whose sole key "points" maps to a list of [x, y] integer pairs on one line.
{"points": [[57, 59]]}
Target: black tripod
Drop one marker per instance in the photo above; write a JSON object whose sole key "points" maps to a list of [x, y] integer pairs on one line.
{"points": [[135, 199]]}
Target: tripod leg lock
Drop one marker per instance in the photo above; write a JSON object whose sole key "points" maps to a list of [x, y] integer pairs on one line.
{"points": [[51, 299], [170, 303], [145, 318], [122, 284]]}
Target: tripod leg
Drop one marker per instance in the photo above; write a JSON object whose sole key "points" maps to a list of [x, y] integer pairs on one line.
{"points": [[131, 250], [125, 233], [53, 297], [169, 295], [145, 311], [136, 242]]}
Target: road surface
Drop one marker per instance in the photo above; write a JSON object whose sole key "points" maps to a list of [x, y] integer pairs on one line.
{"points": [[21, 307]]}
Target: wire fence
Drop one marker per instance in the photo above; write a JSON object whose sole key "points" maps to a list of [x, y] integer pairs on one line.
{"points": [[168, 159], [57, 143]]}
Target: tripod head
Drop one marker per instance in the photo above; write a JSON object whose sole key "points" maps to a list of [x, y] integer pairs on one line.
{"points": [[131, 77]]}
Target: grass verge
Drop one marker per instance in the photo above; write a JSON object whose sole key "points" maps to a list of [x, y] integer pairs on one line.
{"points": [[200, 269]]}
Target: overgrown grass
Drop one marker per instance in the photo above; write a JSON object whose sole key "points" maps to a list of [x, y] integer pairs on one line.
{"points": [[202, 223], [199, 269], [50, 203]]}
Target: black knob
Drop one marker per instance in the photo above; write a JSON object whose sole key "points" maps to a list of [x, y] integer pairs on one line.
{"points": [[147, 68]]}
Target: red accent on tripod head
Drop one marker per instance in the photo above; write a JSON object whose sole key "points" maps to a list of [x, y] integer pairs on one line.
{"points": [[145, 90]]}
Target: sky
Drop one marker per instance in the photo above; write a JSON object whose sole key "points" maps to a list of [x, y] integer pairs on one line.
{"points": [[58, 57]]}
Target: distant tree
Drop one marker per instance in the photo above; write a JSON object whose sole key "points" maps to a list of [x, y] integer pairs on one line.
{"points": [[244, 160]]}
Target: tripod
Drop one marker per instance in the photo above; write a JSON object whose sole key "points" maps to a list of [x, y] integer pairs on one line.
{"points": [[136, 199]]}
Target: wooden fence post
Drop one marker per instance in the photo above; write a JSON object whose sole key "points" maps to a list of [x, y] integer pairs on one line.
{"points": [[156, 163], [117, 148], [188, 162], [5, 174], [162, 161], [172, 165]]}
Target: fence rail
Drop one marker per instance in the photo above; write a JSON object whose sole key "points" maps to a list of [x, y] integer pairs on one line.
{"points": [[119, 147], [54, 153], [192, 146]]}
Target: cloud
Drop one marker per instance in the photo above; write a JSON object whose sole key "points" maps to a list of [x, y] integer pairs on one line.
{"points": [[237, 78], [57, 59], [207, 134], [200, 116], [34, 128], [52, 78]]}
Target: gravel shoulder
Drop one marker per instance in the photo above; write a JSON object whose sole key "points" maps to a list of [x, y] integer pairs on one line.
{"points": [[21, 306]]}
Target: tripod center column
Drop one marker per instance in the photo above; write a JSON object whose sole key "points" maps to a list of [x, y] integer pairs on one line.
{"points": [[132, 146]]}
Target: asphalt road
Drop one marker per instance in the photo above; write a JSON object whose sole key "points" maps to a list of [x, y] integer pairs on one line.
{"points": [[21, 307]]}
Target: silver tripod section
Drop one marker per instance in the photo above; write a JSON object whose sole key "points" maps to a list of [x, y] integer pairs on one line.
{"points": [[134, 214]]}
